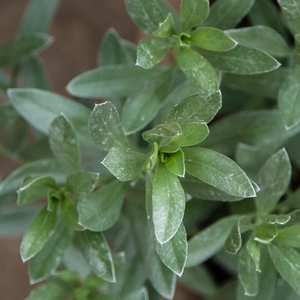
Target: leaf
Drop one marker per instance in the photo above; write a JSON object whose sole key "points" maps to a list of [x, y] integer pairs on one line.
{"points": [[38, 16], [146, 15], [141, 294], [219, 171], [289, 236], [96, 251], [22, 47], [193, 13], [289, 99], [247, 273], [212, 39], [265, 233], [286, 261], [47, 106], [48, 291], [48, 259], [200, 107], [110, 81], [261, 37], [174, 252], [253, 248], [175, 163], [225, 14], [166, 28], [105, 127], [70, 214], [209, 241], [241, 60], [101, 209], [197, 69], [273, 180], [150, 52], [124, 163], [64, 144], [39, 231], [168, 203], [291, 13], [34, 189], [276, 219], [82, 183]]}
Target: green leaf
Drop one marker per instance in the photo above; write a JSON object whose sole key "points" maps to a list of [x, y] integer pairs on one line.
{"points": [[146, 15], [273, 180], [34, 189], [265, 233], [192, 134], [290, 236], [168, 203], [197, 69], [141, 294], [219, 171], [48, 259], [261, 37], [49, 291], [38, 16], [22, 47], [96, 251], [105, 127], [82, 183], [291, 13], [276, 219], [241, 60], [193, 13], [39, 231], [247, 273], [209, 241], [286, 261], [143, 106], [175, 163], [110, 81], [166, 28], [253, 248], [289, 98], [101, 209], [200, 107], [225, 14], [124, 163], [150, 52], [64, 144], [70, 214], [212, 39], [174, 252], [46, 107]]}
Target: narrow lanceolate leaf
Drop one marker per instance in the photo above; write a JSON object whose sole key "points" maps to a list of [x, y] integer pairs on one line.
{"points": [[146, 15], [241, 60], [96, 251], [200, 107], [234, 240], [286, 261], [219, 171], [38, 233], [70, 214], [253, 248], [82, 183], [247, 273], [225, 14], [14, 51], [150, 52], [193, 13], [290, 236], [64, 144], [273, 180], [209, 241], [291, 12], [110, 81], [49, 258], [275, 219], [124, 163], [141, 294], [34, 189], [105, 127], [101, 209], [197, 69], [212, 39], [175, 163], [168, 203], [289, 99], [261, 37], [166, 28], [174, 252]]}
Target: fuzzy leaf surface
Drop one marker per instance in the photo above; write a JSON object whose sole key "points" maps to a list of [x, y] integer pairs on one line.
{"points": [[291, 13]]}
